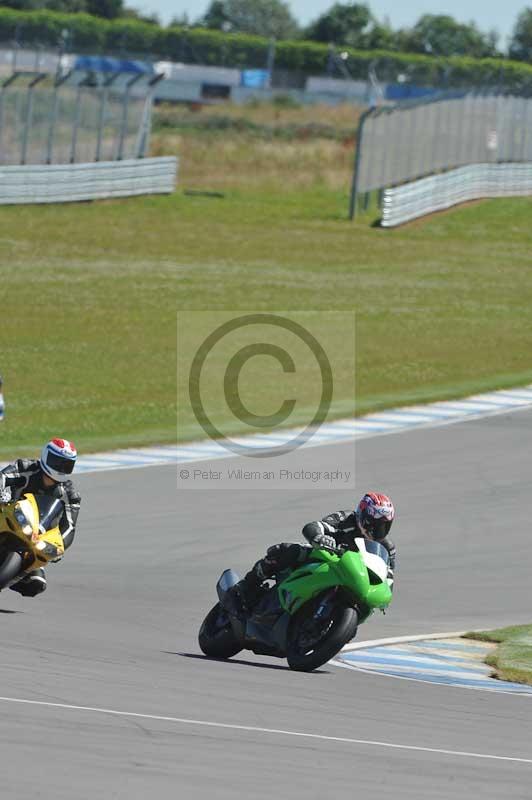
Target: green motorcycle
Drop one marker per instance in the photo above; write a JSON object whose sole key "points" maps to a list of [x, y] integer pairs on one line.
{"points": [[308, 615]]}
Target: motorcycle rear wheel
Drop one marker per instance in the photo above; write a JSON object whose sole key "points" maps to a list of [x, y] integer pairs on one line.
{"points": [[302, 654], [10, 567], [216, 638]]}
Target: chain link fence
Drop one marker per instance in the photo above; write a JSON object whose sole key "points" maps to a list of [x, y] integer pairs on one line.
{"points": [[403, 143], [57, 109]]}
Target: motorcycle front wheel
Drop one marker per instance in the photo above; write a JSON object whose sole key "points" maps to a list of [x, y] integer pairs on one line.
{"points": [[216, 638], [311, 642], [10, 567]]}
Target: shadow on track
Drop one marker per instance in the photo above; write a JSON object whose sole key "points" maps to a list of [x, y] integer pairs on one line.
{"points": [[240, 661], [10, 611]]}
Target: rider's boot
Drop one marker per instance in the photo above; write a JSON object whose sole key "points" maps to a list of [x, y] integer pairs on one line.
{"points": [[32, 584], [251, 588]]}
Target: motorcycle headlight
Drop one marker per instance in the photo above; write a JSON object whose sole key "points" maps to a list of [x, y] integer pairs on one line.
{"points": [[49, 550], [20, 516]]}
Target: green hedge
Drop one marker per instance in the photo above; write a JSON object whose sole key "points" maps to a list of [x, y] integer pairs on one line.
{"points": [[87, 33]]}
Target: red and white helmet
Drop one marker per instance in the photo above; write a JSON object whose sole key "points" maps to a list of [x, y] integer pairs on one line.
{"points": [[58, 458], [375, 514]]}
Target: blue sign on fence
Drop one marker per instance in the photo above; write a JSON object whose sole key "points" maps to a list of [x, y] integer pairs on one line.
{"points": [[408, 91], [105, 64], [255, 78]]}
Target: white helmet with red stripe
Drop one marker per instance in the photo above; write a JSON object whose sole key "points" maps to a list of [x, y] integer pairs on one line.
{"points": [[58, 458], [375, 514]]}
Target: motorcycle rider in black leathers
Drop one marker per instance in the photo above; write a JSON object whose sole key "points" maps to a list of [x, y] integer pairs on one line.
{"points": [[47, 475], [372, 519]]}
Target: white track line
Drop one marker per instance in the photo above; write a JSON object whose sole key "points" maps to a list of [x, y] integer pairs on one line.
{"points": [[272, 731], [404, 639]]}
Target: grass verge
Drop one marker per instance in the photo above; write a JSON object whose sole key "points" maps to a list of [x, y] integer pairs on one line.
{"points": [[90, 292], [512, 659]]}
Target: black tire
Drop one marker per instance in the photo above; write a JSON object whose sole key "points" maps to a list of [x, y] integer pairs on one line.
{"points": [[216, 638], [10, 567], [307, 657]]}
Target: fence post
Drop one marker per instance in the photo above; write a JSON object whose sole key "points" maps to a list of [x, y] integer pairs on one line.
{"points": [[4, 86], [270, 60], [415, 164], [527, 125], [381, 136], [101, 117], [125, 107], [356, 169], [101, 121], [29, 115], [58, 82], [143, 137], [51, 129], [75, 126]]}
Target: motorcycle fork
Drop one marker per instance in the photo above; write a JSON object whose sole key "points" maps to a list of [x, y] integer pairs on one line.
{"points": [[325, 605]]}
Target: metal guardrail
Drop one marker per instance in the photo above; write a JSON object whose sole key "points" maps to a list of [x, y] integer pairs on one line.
{"points": [[438, 192], [63, 183], [407, 142]]}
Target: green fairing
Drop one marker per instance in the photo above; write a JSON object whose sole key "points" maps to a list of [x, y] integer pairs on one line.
{"points": [[328, 570]]}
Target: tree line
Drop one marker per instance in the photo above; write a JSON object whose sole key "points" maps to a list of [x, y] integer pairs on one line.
{"points": [[354, 25], [126, 37], [343, 24], [348, 24]]}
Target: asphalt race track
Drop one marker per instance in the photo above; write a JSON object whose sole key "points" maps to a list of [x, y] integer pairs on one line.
{"points": [[116, 631]]}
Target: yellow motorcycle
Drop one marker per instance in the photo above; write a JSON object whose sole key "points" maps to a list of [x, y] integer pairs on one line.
{"points": [[29, 536]]}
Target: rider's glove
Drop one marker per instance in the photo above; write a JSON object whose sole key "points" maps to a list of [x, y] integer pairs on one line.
{"points": [[5, 495], [327, 542]]}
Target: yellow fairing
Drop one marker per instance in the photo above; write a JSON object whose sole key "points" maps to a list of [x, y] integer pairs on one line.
{"points": [[31, 510], [53, 536], [33, 539]]}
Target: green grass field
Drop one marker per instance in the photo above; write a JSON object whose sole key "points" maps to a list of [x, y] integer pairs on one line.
{"points": [[512, 659], [91, 292]]}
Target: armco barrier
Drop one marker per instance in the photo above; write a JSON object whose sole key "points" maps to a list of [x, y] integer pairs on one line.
{"points": [[412, 140], [437, 192], [64, 183]]}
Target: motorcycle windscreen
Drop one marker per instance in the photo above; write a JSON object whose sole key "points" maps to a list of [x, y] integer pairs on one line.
{"points": [[227, 581], [50, 511], [377, 560]]}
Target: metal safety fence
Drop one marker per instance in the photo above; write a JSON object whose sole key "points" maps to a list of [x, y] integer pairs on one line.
{"points": [[438, 192], [55, 109], [64, 183], [403, 143]]}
